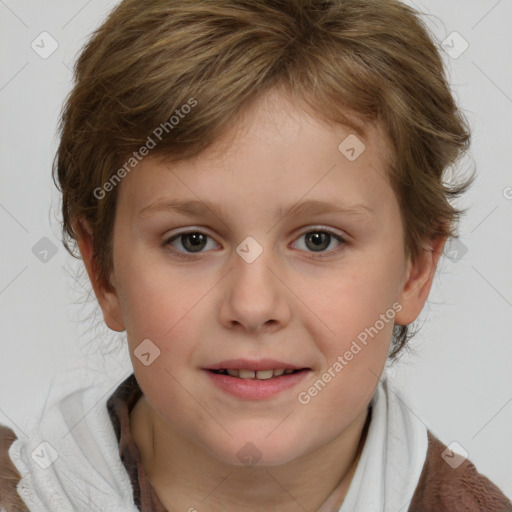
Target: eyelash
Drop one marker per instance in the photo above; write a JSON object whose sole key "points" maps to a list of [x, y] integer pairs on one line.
{"points": [[325, 254]]}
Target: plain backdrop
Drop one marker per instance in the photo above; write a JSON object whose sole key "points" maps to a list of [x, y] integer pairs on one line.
{"points": [[459, 378]]}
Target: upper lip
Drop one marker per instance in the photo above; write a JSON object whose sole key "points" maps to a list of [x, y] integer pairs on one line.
{"points": [[247, 364]]}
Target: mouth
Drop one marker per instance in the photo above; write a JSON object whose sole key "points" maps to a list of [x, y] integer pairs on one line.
{"points": [[256, 380], [256, 374]]}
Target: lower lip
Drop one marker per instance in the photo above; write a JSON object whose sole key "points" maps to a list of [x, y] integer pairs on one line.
{"points": [[256, 389]]}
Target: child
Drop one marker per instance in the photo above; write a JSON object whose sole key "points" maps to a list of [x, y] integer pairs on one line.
{"points": [[304, 143]]}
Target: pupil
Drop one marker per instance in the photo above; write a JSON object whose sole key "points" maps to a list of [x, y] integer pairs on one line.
{"points": [[197, 239], [320, 240]]}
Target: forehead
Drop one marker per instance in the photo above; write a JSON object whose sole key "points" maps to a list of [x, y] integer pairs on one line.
{"points": [[274, 155]]}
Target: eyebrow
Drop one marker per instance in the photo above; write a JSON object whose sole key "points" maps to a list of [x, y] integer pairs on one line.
{"points": [[308, 207]]}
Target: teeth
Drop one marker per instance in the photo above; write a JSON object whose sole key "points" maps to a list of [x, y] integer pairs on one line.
{"points": [[264, 374], [260, 374]]}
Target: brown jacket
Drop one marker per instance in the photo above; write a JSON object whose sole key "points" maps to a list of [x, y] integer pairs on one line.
{"points": [[440, 487]]}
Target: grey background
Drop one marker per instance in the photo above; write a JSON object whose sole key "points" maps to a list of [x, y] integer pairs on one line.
{"points": [[458, 381]]}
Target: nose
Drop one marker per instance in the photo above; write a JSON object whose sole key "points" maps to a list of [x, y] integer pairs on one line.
{"points": [[254, 298]]}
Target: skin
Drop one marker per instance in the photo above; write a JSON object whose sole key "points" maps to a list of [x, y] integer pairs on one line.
{"points": [[284, 305]]}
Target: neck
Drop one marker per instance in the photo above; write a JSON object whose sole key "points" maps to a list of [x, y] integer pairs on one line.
{"points": [[186, 477]]}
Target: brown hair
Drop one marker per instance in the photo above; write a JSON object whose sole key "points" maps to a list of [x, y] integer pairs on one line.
{"points": [[149, 59]]}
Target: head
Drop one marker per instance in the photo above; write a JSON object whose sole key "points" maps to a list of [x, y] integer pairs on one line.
{"points": [[250, 110]]}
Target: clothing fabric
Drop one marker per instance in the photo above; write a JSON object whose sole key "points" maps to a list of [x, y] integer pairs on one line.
{"points": [[80, 456], [119, 407], [69, 460], [392, 458]]}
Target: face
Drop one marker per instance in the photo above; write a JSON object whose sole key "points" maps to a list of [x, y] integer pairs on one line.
{"points": [[290, 256]]}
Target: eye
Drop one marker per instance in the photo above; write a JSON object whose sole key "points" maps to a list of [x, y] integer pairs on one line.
{"points": [[191, 241], [319, 240]]}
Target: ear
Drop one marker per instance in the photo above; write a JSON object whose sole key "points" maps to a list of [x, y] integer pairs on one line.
{"points": [[418, 281], [105, 292]]}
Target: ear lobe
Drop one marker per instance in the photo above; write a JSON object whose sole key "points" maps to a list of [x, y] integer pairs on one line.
{"points": [[105, 294], [418, 282]]}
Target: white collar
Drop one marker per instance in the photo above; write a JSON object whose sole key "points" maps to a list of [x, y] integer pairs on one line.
{"points": [[392, 458]]}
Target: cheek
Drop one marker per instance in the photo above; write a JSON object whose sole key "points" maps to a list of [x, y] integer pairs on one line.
{"points": [[161, 307], [354, 354], [348, 302], [357, 312], [152, 294], [165, 311]]}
